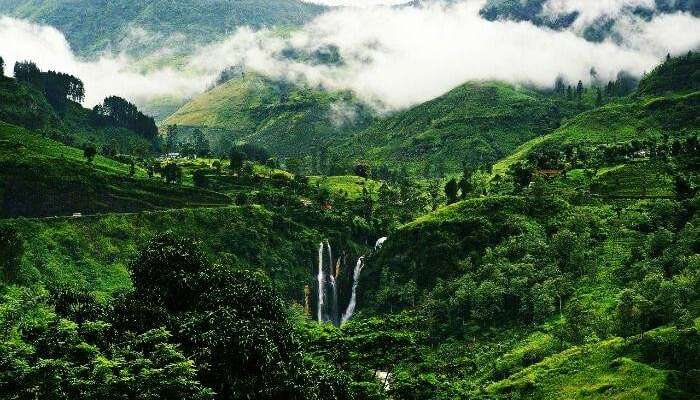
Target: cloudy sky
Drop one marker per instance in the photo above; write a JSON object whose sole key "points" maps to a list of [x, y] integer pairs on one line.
{"points": [[393, 57]]}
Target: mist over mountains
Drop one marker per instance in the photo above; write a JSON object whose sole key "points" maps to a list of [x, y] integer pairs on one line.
{"points": [[372, 53]]}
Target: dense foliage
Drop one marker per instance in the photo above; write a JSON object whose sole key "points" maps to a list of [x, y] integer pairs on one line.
{"points": [[188, 330], [568, 270]]}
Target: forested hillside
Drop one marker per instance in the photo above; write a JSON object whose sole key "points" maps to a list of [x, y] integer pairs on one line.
{"points": [[48, 102], [94, 26], [473, 125], [280, 241], [291, 121], [326, 132], [597, 30]]}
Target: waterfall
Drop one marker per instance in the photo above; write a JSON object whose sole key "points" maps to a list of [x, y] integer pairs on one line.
{"points": [[332, 312], [334, 288], [321, 286], [353, 297], [379, 243]]}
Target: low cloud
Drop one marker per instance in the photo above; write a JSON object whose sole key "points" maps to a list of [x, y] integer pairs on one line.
{"points": [[392, 57], [397, 57], [109, 75]]}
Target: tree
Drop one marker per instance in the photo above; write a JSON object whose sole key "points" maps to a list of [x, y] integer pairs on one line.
{"points": [[11, 250], [522, 174], [200, 179], [628, 313], [201, 144], [465, 184], [231, 321], [578, 321], [172, 173], [559, 85], [683, 187], [236, 159], [436, 194], [27, 72], [451, 189], [2, 67], [119, 112], [598, 97], [579, 91], [171, 138], [217, 166], [132, 168], [362, 170], [89, 152]]}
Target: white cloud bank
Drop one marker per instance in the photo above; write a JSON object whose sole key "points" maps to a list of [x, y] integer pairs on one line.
{"points": [[404, 56], [48, 48], [393, 57]]}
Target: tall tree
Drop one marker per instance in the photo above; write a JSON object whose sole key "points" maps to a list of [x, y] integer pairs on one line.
{"points": [[236, 160], [201, 144], [465, 183], [451, 189], [120, 112], [89, 152], [28, 72], [579, 91], [11, 249]]}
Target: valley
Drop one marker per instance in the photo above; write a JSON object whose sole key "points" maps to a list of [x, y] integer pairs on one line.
{"points": [[277, 239]]}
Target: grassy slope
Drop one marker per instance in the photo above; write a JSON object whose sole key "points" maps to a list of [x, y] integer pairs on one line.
{"points": [[93, 253], [667, 102], [40, 177], [533, 367], [287, 120], [597, 371], [346, 185], [620, 121], [25, 106], [477, 123]]}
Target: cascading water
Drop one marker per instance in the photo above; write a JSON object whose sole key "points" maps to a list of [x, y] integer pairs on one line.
{"points": [[353, 297], [321, 286], [333, 315], [334, 288]]}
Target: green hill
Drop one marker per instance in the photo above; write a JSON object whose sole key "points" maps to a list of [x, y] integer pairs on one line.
{"points": [[93, 253], [679, 74], [527, 293], [476, 124], [25, 105], [597, 30], [288, 120], [664, 108], [93, 26], [40, 177]]}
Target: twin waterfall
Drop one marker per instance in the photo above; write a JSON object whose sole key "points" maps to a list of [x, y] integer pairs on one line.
{"points": [[353, 296], [328, 286]]}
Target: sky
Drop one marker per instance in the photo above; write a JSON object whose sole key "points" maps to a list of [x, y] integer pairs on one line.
{"points": [[393, 57]]}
